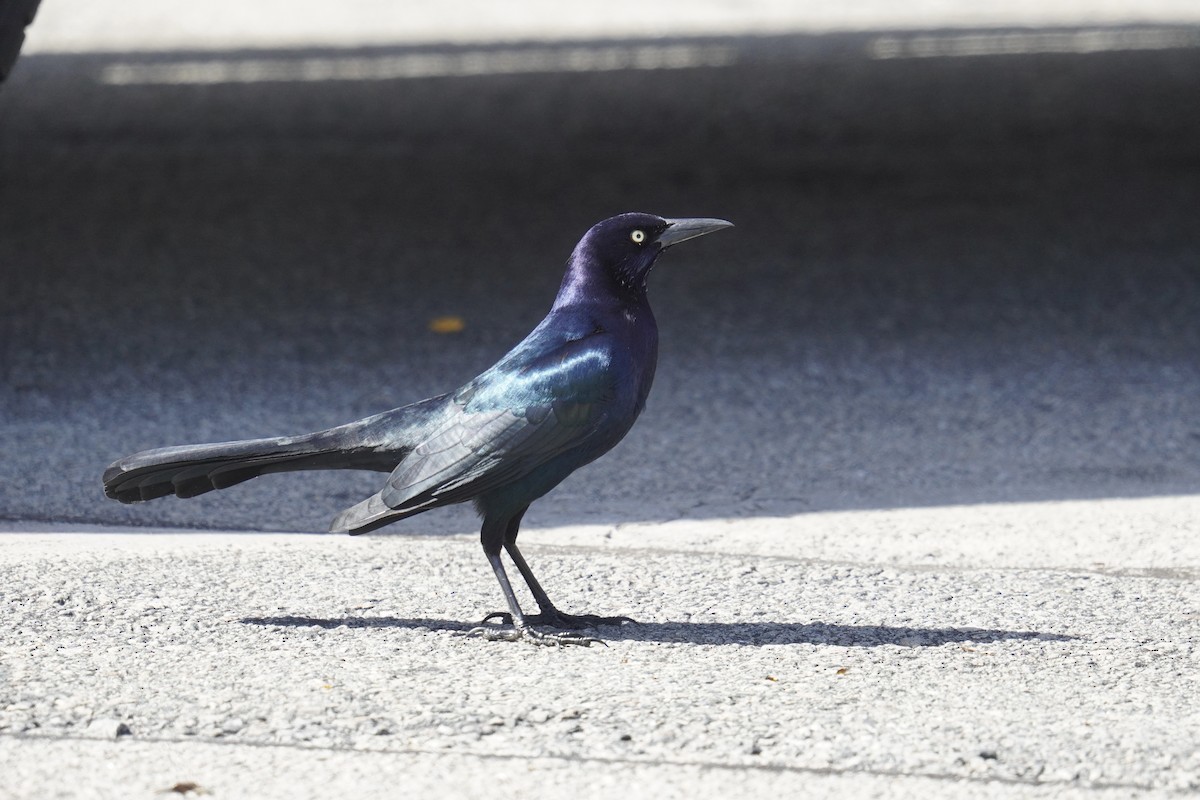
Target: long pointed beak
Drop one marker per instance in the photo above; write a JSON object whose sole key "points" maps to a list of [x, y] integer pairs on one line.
{"points": [[680, 230]]}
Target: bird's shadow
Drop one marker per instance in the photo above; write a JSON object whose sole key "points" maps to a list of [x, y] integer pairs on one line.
{"points": [[733, 633]]}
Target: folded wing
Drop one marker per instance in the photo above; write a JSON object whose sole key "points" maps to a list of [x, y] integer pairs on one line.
{"points": [[516, 417]]}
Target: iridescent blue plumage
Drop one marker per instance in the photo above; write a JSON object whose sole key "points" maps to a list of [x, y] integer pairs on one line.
{"points": [[561, 398]]}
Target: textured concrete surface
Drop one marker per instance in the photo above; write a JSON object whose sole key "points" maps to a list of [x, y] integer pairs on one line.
{"points": [[236, 772], [1014, 650], [968, 674], [929, 415]]}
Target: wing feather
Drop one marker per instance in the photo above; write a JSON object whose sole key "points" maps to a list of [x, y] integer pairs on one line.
{"points": [[506, 423]]}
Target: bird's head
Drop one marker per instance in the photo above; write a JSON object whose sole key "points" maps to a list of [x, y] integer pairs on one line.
{"points": [[626, 246]]}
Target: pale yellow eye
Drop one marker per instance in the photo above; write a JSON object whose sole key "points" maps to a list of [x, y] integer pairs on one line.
{"points": [[638, 236]]}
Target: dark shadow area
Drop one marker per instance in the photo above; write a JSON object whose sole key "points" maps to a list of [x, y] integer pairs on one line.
{"points": [[739, 633], [359, 622], [953, 280]]}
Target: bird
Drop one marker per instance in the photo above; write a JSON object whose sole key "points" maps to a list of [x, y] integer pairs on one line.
{"points": [[561, 398]]}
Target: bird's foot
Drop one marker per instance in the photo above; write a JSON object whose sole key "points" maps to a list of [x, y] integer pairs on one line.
{"points": [[532, 635], [554, 618]]}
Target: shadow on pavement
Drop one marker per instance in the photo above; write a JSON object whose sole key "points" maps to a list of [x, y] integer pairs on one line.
{"points": [[739, 633]]}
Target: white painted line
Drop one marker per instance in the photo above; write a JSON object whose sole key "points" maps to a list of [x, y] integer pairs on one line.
{"points": [[959, 45], [420, 65]]}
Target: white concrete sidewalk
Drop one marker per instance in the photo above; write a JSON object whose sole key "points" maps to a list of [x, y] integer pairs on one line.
{"points": [[921, 652], [92, 26]]}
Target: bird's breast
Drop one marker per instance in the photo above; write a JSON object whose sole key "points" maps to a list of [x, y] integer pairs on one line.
{"points": [[634, 360]]}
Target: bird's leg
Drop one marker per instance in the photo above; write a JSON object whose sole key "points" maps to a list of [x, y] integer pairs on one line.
{"points": [[549, 614], [539, 594], [520, 625]]}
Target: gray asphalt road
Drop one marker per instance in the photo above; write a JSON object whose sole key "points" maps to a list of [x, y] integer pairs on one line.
{"points": [[954, 281]]}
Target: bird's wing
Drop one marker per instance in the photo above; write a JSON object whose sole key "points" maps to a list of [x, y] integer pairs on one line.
{"points": [[512, 419]]}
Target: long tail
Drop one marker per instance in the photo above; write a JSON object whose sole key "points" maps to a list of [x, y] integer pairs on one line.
{"points": [[375, 443]]}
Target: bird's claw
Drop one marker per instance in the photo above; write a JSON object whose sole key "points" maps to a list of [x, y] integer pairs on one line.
{"points": [[516, 633], [507, 631], [557, 619], [494, 634]]}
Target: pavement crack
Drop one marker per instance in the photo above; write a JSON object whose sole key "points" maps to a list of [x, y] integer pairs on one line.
{"points": [[702, 764]]}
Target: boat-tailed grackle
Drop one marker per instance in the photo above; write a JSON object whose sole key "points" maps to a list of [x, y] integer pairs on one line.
{"points": [[558, 400]]}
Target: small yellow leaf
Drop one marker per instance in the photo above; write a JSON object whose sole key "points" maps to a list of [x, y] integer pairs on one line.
{"points": [[449, 324], [773, 679]]}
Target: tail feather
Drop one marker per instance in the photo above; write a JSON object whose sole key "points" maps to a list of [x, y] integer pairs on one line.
{"points": [[375, 443], [193, 470]]}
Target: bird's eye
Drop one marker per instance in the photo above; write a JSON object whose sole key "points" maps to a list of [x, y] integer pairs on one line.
{"points": [[638, 236]]}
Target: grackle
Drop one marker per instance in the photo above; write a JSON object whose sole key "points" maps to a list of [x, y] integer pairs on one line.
{"points": [[558, 400]]}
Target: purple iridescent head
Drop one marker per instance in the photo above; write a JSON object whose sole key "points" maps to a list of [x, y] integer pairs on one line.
{"points": [[626, 246]]}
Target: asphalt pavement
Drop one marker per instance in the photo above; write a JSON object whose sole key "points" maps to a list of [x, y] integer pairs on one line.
{"points": [[927, 415]]}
